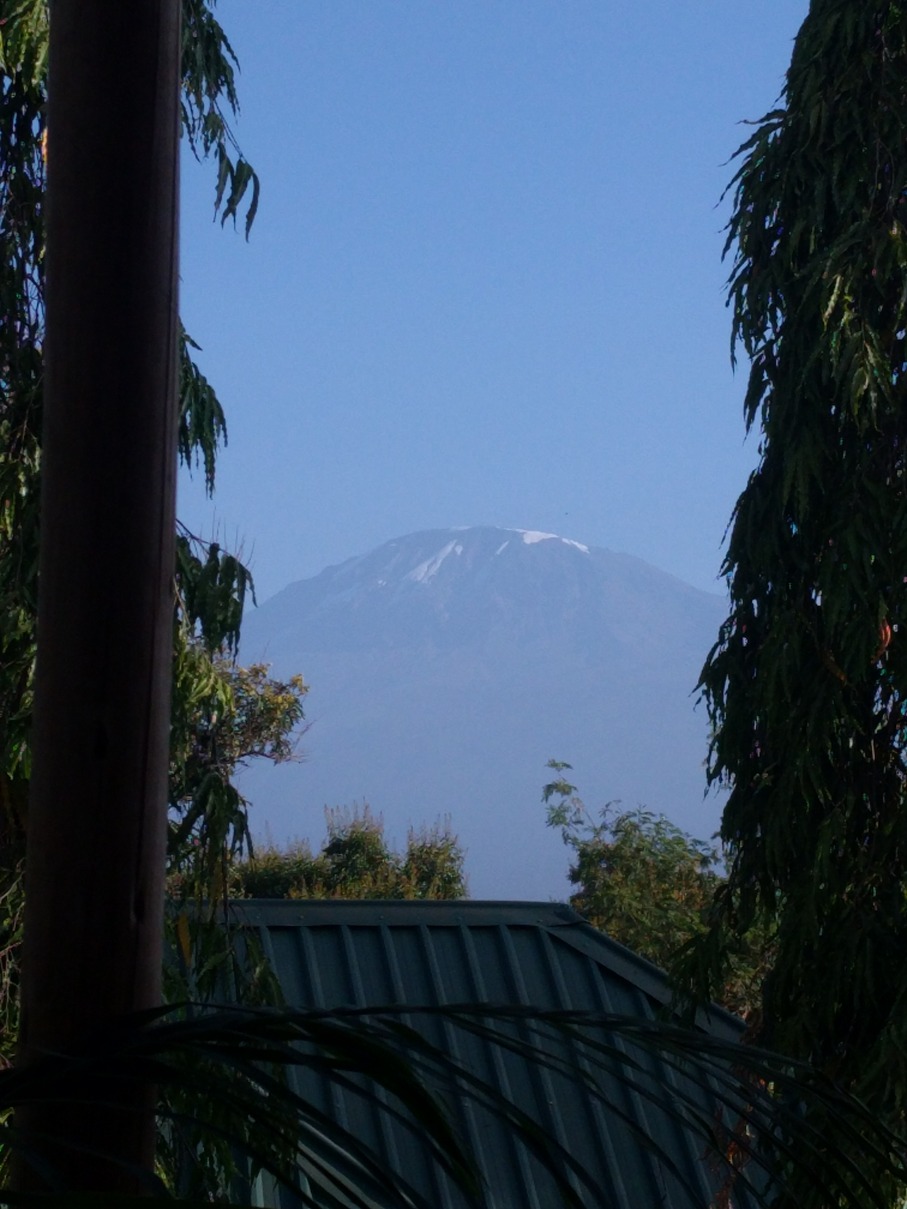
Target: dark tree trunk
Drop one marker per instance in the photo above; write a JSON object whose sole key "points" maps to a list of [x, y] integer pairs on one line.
{"points": [[97, 812]]}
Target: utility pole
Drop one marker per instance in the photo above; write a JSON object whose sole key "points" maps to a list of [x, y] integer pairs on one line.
{"points": [[97, 812]]}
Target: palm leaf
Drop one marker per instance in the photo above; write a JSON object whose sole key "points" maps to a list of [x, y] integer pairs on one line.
{"points": [[754, 1111]]}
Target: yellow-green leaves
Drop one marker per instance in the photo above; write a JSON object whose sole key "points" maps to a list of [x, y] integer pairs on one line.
{"points": [[23, 39]]}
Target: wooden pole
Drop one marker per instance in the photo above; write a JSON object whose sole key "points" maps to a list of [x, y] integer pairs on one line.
{"points": [[97, 811]]}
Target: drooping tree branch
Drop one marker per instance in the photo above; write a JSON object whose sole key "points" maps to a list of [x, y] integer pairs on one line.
{"points": [[806, 685]]}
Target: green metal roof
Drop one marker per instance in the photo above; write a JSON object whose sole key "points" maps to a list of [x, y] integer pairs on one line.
{"points": [[330, 954]]}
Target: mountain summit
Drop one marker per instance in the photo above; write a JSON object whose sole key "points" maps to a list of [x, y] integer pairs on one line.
{"points": [[446, 667]]}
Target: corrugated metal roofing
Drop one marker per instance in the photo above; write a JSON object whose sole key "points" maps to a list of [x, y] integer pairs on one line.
{"points": [[330, 954]]}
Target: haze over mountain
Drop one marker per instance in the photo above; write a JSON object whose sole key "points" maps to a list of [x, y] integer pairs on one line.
{"points": [[446, 667]]}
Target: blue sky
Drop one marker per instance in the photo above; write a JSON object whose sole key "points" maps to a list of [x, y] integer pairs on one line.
{"points": [[485, 282]]}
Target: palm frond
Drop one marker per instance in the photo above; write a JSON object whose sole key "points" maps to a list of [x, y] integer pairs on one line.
{"points": [[754, 1112]]}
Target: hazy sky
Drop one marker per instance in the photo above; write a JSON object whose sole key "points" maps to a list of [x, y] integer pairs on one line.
{"points": [[485, 282]]}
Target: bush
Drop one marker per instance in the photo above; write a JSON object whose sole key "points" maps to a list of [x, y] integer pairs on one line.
{"points": [[355, 862]]}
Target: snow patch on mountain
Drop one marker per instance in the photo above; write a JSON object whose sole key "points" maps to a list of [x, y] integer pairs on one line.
{"points": [[431, 566], [531, 536]]}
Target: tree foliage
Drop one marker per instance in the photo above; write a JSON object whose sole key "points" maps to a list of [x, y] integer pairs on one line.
{"points": [[223, 717], [806, 684], [355, 862], [638, 877], [649, 885]]}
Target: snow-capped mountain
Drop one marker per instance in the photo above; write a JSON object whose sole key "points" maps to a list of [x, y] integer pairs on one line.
{"points": [[448, 666]]}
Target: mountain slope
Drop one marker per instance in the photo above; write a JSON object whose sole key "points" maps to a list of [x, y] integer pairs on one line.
{"points": [[447, 666]]}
